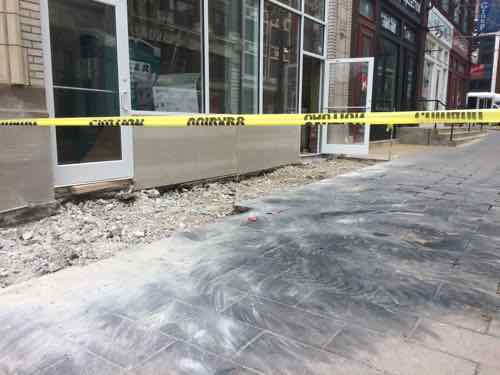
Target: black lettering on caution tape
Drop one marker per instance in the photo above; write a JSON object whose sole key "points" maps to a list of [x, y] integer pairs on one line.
{"points": [[216, 121], [18, 123], [135, 121], [325, 118], [446, 115]]}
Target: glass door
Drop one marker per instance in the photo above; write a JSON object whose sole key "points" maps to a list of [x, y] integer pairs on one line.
{"points": [[86, 48], [348, 88]]}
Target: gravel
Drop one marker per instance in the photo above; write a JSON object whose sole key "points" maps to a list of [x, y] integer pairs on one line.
{"points": [[86, 231]]}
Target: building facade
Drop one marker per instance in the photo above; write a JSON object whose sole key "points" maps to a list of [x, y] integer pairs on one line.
{"points": [[67, 58], [485, 51], [421, 50], [460, 13], [438, 45], [393, 32], [484, 68]]}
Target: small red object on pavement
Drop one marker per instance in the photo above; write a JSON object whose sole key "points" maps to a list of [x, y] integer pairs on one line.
{"points": [[252, 218]]}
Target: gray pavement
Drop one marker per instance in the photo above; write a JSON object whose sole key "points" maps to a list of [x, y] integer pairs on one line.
{"points": [[391, 270]]}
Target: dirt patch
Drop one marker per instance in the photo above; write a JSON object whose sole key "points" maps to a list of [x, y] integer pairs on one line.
{"points": [[84, 232]]}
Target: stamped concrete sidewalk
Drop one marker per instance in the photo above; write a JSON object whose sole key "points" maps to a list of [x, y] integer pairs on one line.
{"points": [[392, 270]]}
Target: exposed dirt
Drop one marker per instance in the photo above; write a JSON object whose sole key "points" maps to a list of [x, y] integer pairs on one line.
{"points": [[87, 231]]}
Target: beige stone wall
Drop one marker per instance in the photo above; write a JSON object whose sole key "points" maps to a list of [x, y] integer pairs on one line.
{"points": [[339, 28], [339, 46], [22, 90], [25, 158], [31, 36], [13, 61], [20, 43]]}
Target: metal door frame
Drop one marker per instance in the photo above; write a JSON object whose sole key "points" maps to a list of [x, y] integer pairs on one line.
{"points": [[74, 174], [359, 149]]}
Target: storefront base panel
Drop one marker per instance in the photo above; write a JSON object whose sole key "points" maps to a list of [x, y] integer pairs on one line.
{"points": [[25, 168], [25, 157], [162, 157], [165, 157], [18, 101]]}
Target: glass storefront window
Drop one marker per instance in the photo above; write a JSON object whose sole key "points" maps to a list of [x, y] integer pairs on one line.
{"points": [[457, 9], [409, 34], [165, 44], [311, 89], [315, 8], [385, 75], [291, 3], [313, 37], [234, 63], [366, 8], [427, 82], [409, 90], [465, 19], [281, 56], [85, 78]]}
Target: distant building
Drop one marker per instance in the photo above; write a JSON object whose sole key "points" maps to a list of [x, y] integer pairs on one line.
{"points": [[393, 31], [486, 43]]}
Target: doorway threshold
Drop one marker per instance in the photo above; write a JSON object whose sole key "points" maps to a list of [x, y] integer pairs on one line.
{"points": [[65, 192], [306, 155]]}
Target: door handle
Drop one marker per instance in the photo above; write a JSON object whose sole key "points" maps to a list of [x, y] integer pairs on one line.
{"points": [[123, 102]]}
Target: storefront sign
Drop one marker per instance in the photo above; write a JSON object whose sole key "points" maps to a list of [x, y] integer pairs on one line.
{"points": [[389, 23], [440, 27], [488, 16], [480, 71], [484, 10], [460, 45], [477, 71], [413, 4]]}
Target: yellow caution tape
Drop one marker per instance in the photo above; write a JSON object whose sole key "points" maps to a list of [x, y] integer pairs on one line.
{"points": [[484, 116]]}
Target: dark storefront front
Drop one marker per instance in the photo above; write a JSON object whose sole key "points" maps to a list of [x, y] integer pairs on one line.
{"points": [[390, 31]]}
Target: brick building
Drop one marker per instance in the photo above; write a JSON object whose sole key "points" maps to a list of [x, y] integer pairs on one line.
{"points": [[21, 68]]}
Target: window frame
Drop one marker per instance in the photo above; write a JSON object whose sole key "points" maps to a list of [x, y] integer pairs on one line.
{"points": [[205, 53], [303, 15]]}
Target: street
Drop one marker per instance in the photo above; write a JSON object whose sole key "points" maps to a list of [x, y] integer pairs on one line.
{"points": [[393, 269]]}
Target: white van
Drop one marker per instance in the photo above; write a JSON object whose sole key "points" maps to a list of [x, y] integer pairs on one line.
{"points": [[482, 100]]}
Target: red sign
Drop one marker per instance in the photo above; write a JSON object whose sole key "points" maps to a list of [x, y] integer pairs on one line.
{"points": [[477, 71], [364, 81]]}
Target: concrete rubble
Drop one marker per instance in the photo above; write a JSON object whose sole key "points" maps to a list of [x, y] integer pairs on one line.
{"points": [[86, 231]]}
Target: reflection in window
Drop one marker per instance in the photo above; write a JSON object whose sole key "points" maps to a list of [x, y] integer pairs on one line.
{"points": [[234, 36], [291, 3], [409, 34], [457, 9], [281, 52], [165, 55], [313, 37], [311, 89], [366, 8], [315, 8], [426, 84], [465, 19], [409, 93]]}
